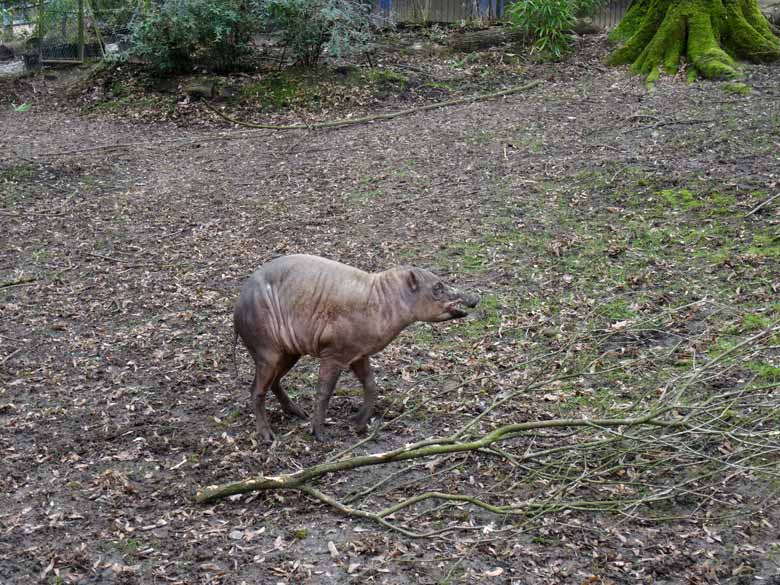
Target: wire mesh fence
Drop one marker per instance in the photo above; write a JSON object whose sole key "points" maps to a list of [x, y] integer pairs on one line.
{"points": [[71, 30]]}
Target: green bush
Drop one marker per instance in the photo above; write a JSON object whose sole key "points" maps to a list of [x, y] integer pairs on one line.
{"points": [[309, 27], [180, 34], [549, 22]]}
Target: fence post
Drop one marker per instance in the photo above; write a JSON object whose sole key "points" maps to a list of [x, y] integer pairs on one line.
{"points": [[80, 8], [39, 27]]}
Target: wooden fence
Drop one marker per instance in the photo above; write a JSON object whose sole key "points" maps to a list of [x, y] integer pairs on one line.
{"points": [[450, 11]]}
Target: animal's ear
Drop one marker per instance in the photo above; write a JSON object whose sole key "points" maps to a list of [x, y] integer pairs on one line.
{"points": [[411, 280]]}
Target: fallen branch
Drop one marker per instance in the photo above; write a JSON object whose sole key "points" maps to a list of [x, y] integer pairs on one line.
{"points": [[417, 450], [761, 205], [669, 123], [378, 117], [675, 443], [19, 282], [179, 142]]}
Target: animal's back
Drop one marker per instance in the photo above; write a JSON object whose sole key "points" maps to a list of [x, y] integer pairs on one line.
{"points": [[291, 301]]}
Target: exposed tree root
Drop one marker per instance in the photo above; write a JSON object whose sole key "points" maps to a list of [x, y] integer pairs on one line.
{"points": [[379, 117], [218, 136], [711, 34]]}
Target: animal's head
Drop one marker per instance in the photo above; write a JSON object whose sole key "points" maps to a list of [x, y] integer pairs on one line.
{"points": [[435, 300]]}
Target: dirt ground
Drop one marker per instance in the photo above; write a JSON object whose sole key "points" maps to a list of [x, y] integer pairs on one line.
{"points": [[581, 210]]}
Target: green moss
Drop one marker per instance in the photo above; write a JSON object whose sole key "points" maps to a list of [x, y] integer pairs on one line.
{"points": [[710, 33], [275, 91], [681, 199], [301, 533], [643, 20], [631, 22], [703, 50], [721, 203], [748, 35], [385, 78]]}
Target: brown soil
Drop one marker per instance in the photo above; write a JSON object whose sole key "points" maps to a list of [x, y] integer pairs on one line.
{"points": [[120, 268]]}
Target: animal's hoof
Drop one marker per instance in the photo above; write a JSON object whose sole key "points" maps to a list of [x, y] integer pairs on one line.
{"points": [[297, 412], [319, 434], [265, 436], [361, 421]]}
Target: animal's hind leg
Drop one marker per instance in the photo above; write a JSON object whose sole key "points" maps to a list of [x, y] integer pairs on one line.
{"points": [[265, 374], [288, 406]]}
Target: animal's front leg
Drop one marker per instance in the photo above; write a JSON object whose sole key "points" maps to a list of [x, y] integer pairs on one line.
{"points": [[329, 375], [362, 370]]}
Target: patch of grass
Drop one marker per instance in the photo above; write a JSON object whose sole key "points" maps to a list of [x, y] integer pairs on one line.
{"points": [[766, 244], [16, 184], [129, 546], [755, 322], [230, 418], [17, 173], [119, 89], [471, 256], [721, 203], [617, 310], [423, 334], [488, 317], [365, 196], [766, 372], [468, 59]]}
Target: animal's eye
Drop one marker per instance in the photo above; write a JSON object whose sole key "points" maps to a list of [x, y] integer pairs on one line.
{"points": [[438, 289]]}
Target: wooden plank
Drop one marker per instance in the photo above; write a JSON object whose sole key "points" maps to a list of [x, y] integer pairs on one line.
{"points": [[453, 11]]}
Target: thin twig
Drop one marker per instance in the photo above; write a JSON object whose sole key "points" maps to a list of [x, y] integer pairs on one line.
{"points": [[761, 205], [10, 355]]}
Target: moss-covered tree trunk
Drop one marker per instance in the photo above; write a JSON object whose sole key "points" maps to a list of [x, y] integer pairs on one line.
{"points": [[710, 34]]}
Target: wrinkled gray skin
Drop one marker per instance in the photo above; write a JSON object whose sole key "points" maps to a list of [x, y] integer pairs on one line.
{"points": [[306, 305]]}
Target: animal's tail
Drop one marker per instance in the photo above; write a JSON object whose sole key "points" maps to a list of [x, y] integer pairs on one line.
{"points": [[235, 342]]}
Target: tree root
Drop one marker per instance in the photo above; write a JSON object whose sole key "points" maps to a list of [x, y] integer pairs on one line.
{"points": [[222, 136]]}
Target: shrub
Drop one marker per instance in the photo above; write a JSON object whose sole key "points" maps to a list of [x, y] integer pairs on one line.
{"points": [[180, 34], [549, 22], [308, 27]]}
